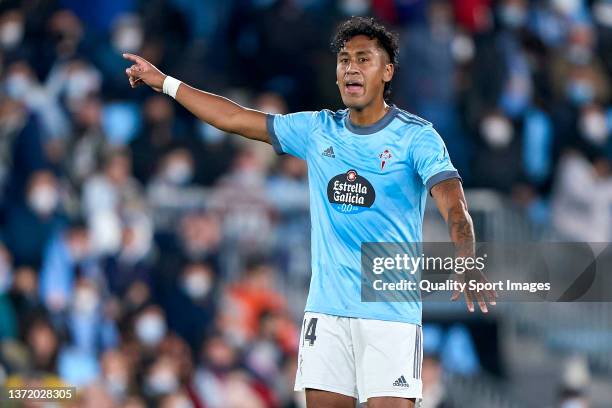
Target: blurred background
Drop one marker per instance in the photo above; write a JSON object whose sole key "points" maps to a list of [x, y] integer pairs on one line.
{"points": [[153, 261]]}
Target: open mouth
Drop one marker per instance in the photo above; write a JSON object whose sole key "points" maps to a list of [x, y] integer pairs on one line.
{"points": [[353, 86]]}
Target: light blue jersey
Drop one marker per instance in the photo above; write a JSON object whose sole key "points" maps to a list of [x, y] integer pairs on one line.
{"points": [[367, 184]]}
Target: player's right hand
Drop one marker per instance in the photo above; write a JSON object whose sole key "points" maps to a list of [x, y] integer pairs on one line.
{"points": [[482, 298], [143, 72]]}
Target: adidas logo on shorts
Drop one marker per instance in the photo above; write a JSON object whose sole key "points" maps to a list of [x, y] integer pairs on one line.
{"points": [[401, 382]]}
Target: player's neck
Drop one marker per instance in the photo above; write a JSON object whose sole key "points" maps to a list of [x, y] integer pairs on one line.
{"points": [[368, 115]]}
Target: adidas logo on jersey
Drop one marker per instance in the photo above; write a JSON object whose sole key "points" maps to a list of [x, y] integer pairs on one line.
{"points": [[329, 152], [401, 382]]}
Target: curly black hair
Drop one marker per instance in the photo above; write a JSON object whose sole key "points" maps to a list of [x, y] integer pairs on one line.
{"points": [[369, 27]]}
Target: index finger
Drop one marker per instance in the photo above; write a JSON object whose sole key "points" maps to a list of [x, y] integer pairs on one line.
{"points": [[133, 58]]}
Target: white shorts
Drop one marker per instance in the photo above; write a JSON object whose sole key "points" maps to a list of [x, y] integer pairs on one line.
{"points": [[361, 358]]}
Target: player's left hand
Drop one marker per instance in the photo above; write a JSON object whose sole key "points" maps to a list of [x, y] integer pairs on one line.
{"points": [[482, 297]]}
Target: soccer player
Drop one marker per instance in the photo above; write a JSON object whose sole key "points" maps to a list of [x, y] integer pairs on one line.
{"points": [[370, 168]]}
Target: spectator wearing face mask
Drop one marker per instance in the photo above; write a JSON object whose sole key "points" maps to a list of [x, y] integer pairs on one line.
{"points": [[109, 196], [434, 390], [12, 30], [577, 72], [171, 191], [31, 224], [289, 186], [177, 349], [499, 163], [88, 142], [196, 238], [594, 129], [429, 88], [72, 81], [161, 378], [133, 261], [219, 383], [126, 35], [215, 153], [89, 328], [22, 84], [68, 252], [150, 328], [240, 199], [156, 137], [275, 339], [572, 398], [582, 197], [116, 375], [191, 302]]}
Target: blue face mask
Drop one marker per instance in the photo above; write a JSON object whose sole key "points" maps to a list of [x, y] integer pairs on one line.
{"points": [[580, 92]]}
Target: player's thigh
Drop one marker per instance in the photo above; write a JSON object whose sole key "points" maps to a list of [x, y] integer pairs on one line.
{"points": [[327, 399], [391, 402], [388, 359], [326, 361]]}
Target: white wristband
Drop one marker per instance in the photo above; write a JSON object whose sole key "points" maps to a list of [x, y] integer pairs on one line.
{"points": [[170, 86]]}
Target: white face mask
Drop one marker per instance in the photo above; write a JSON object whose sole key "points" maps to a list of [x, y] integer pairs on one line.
{"points": [[86, 301], [162, 381], [496, 131], [11, 34], [573, 403], [17, 86], [196, 285], [566, 7], [594, 128], [43, 199], [602, 11], [116, 384], [178, 172], [462, 48], [81, 83], [150, 329], [128, 38]]}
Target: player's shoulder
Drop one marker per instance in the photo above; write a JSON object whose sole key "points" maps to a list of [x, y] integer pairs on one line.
{"points": [[410, 120], [412, 128]]}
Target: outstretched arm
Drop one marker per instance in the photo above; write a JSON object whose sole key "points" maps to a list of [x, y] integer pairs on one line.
{"points": [[451, 203], [216, 110]]}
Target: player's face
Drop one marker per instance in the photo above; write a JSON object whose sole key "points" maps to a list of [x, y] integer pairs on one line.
{"points": [[362, 68]]}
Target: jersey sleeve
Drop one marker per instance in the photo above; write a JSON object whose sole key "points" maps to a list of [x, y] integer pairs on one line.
{"points": [[430, 158], [290, 133]]}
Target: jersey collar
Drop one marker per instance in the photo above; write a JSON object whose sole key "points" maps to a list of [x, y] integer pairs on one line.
{"points": [[374, 127]]}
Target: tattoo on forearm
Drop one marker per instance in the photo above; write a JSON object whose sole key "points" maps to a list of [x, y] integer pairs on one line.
{"points": [[451, 202], [461, 231]]}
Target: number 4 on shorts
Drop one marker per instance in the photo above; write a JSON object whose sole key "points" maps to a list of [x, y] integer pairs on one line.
{"points": [[310, 332]]}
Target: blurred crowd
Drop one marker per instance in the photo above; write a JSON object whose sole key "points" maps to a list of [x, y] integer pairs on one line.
{"points": [[152, 260]]}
